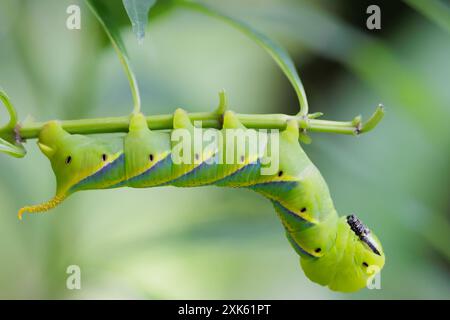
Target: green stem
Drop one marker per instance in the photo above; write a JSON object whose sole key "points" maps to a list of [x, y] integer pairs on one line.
{"points": [[12, 112], [102, 15], [209, 120]]}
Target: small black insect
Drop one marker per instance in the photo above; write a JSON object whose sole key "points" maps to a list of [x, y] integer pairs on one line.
{"points": [[357, 226], [362, 232]]}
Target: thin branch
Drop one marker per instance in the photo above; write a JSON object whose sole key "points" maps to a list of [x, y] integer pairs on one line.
{"points": [[31, 130]]}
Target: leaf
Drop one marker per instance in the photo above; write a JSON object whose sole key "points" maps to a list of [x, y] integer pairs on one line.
{"points": [[15, 150], [137, 11], [11, 111], [103, 15], [278, 54]]}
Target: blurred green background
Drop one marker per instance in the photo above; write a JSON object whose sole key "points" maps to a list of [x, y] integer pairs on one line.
{"points": [[209, 242]]}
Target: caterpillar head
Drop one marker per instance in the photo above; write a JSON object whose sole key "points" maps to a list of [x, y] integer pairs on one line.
{"points": [[351, 262]]}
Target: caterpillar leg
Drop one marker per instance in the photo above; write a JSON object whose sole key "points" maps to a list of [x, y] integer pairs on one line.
{"points": [[181, 120]]}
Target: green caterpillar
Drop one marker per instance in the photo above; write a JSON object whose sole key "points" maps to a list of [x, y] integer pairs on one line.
{"points": [[338, 252]]}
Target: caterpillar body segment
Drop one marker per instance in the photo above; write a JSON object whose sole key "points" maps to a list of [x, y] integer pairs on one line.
{"points": [[334, 251]]}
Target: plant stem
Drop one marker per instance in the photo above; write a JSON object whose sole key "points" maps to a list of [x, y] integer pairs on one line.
{"points": [[208, 120]]}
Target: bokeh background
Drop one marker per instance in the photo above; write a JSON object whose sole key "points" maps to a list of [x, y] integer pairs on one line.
{"points": [[217, 243]]}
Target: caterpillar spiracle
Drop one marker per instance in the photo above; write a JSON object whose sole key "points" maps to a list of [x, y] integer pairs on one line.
{"points": [[338, 252]]}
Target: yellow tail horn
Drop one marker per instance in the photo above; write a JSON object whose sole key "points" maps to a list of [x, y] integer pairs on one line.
{"points": [[42, 207]]}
